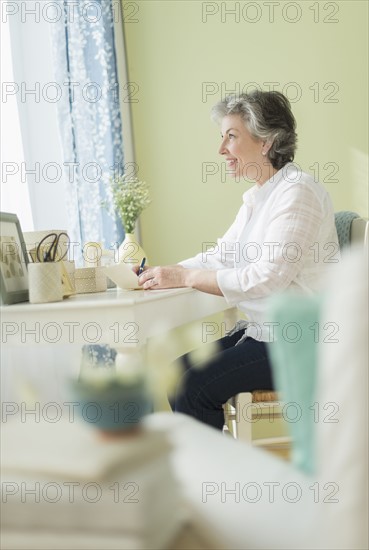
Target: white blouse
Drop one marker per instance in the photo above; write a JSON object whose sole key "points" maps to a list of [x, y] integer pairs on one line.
{"points": [[284, 236]]}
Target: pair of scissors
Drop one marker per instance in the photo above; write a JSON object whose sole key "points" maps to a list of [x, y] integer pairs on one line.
{"points": [[51, 253]]}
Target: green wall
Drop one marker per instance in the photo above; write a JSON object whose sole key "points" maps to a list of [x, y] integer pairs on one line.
{"points": [[175, 47]]}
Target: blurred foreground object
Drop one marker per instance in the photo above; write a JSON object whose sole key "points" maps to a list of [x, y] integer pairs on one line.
{"points": [[117, 395], [63, 488], [248, 499]]}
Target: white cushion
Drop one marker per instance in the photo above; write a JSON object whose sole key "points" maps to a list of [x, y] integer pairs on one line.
{"points": [[342, 427], [208, 464]]}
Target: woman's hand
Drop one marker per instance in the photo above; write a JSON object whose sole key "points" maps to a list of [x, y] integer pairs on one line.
{"points": [[176, 276], [170, 276]]}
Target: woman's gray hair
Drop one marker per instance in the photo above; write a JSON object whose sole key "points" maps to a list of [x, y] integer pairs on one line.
{"points": [[267, 116]]}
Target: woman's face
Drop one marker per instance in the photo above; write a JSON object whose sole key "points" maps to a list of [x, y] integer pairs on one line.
{"points": [[245, 155]]}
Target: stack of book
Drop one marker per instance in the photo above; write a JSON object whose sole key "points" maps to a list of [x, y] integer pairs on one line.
{"points": [[65, 487]]}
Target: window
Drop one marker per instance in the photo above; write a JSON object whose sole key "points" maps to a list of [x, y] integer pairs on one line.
{"points": [[14, 194], [30, 124]]}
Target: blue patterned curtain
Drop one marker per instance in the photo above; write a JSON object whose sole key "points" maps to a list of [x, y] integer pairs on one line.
{"points": [[89, 116]]}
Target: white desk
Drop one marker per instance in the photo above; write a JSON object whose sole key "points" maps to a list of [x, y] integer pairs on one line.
{"points": [[41, 344], [116, 317]]}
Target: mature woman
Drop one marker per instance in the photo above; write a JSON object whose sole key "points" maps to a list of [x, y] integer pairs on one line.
{"points": [[283, 237]]}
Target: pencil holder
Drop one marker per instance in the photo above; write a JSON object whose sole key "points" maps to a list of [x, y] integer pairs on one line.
{"points": [[45, 282]]}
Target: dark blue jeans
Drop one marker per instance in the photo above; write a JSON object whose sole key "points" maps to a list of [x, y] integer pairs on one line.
{"points": [[204, 388]]}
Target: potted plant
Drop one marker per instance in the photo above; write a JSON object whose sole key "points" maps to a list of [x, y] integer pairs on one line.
{"points": [[130, 197], [112, 392]]}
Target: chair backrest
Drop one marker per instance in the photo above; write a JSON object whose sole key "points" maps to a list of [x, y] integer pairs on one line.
{"points": [[360, 231], [351, 229]]}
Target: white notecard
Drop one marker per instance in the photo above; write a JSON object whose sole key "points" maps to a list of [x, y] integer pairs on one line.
{"points": [[123, 276]]}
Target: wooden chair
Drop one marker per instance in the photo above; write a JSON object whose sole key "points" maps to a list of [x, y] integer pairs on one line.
{"points": [[245, 409]]}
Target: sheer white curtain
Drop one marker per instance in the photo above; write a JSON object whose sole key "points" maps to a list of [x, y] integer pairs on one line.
{"points": [[66, 88], [14, 194], [37, 174], [90, 124]]}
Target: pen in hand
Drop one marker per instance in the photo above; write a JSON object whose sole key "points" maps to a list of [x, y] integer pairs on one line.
{"points": [[141, 266]]}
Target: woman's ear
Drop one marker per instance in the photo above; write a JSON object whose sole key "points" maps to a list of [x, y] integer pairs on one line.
{"points": [[265, 147]]}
